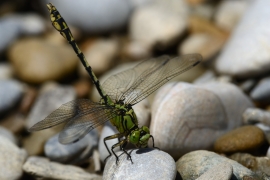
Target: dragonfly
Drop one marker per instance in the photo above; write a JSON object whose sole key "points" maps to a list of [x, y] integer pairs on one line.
{"points": [[118, 94]]}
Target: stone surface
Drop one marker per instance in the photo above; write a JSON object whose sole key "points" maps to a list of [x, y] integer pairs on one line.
{"points": [[253, 163], [242, 139], [51, 97], [6, 71], [41, 60], [229, 13], [260, 93], [100, 54], [10, 93], [8, 134], [222, 171], [71, 153], [43, 168], [94, 16], [256, 115], [186, 117], [196, 163], [158, 24], [11, 160], [147, 164], [246, 53]]}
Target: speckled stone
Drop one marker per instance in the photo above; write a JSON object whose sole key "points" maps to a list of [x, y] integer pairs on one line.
{"points": [[222, 171], [245, 138], [43, 168], [196, 163], [147, 164], [11, 160], [188, 117], [260, 93]]}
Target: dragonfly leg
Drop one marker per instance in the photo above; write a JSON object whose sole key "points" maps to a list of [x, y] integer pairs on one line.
{"points": [[154, 142], [118, 135], [123, 149]]}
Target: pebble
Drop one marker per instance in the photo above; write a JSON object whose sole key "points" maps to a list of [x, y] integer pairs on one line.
{"points": [[100, 54], [11, 159], [229, 13], [245, 54], [8, 134], [50, 97], [147, 164], [6, 71], [94, 17], [243, 139], [11, 92], [82, 88], [187, 117], [15, 122], [260, 93], [46, 61], [71, 153], [207, 77], [196, 163], [222, 171], [261, 164], [42, 168], [255, 115], [158, 24]]}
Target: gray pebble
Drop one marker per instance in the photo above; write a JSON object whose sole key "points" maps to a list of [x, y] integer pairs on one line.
{"points": [[10, 92], [147, 164], [261, 91], [94, 16], [221, 171], [196, 163], [6, 71], [71, 153], [188, 117], [51, 97], [256, 115], [8, 134], [11, 160], [245, 54], [43, 168]]}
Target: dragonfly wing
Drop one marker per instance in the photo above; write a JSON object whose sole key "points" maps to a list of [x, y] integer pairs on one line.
{"points": [[80, 116], [148, 76], [77, 127]]}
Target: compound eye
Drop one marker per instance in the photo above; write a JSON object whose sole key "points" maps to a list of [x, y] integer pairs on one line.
{"points": [[134, 137]]}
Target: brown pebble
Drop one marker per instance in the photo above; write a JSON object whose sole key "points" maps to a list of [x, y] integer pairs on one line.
{"points": [[27, 100], [82, 88], [243, 139]]}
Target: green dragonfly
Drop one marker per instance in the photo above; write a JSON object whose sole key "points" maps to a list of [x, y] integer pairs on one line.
{"points": [[118, 94]]}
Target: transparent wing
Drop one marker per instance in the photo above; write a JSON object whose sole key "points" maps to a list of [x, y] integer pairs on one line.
{"points": [[80, 116], [133, 85]]}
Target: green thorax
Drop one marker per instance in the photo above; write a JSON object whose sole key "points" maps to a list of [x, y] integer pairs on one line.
{"points": [[126, 119]]}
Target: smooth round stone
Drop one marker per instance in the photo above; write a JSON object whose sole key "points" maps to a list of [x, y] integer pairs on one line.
{"points": [[199, 43], [245, 138], [196, 163], [71, 153], [94, 16], [107, 130], [100, 55], [166, 23], [245, 54], [40, 167], [51, 97], [10, 93], [261, 91], [9, 30], [11, 159], [221, 171], [229, 13], [256, 115], [6, 71], [147, 164], [207, 77], [187, 117], [7, 134], [256, 164], [41, 60]]}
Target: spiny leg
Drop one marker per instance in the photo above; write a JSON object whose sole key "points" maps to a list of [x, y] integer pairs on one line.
{"points": [[118, 135], [60, 25], [154, 142]]}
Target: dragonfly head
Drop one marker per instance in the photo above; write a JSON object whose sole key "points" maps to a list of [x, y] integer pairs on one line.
{"points": [[140, 137]]}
